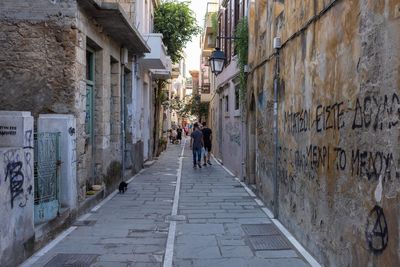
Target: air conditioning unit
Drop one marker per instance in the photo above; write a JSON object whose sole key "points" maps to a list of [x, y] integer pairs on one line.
{"points": [[124, 56]]}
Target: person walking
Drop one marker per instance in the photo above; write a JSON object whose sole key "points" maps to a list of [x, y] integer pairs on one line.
{"points": [[207, 143], [179, 134], [196, 144], [174, 134], [186, 129]]}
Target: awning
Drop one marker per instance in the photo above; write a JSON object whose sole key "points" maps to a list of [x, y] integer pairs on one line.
{"points": [[116, 24]]}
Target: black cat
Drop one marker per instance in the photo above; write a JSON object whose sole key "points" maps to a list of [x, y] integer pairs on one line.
{"points": [[122, 187]]}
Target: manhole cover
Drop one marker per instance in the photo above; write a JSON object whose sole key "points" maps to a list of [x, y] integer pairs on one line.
{"points": [[84, 223], [260, 229], [72, 260], [270, 242]]}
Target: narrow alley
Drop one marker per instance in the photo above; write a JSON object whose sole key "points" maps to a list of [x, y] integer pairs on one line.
{"points": [[174, 215]]}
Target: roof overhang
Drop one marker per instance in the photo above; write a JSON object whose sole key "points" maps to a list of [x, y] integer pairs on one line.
{"points": [[116, 24]]}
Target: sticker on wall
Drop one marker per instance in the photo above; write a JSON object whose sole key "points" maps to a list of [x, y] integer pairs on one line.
{"points": [[377, 230]]}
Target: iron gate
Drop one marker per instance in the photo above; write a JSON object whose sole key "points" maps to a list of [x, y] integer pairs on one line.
{"points": [[47, 168]]}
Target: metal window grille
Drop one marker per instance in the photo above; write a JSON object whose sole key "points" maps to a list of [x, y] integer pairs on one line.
{"points": [[46, 175]]}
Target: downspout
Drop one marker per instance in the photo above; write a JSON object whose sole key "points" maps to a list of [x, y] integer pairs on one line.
{"points": [[277, 46], [123, 120], [135, 100]]}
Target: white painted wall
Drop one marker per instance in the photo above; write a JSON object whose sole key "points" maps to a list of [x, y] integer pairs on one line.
{"points": [[66, 126], [16, 185]]}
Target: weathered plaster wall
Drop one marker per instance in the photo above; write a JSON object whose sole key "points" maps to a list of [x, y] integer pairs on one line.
{"points": [[339, 109], [16, 187], [232, 141], [43, 67], [37, 53], [107, 102], [214, 114], [128, 6], [16, 204]]}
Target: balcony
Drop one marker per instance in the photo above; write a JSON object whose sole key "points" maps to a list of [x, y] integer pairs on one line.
{"points": [[205, 92], [208, 39], [175, 71], [157, 58], [205, 89], [116, 23], [164, 73]]}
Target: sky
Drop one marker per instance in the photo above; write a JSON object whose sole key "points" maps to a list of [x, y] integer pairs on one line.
{"points": [[193, 48]]}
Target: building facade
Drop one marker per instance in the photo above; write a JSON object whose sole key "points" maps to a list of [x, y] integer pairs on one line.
{"points": [[82, 66], [330, 172], [226, 114]]}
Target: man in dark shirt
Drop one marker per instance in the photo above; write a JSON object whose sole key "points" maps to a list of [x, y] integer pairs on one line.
{"points": [[179, 134], [207, 143], [196, 144]]}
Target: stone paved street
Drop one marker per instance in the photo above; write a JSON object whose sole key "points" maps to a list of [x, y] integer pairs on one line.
{"points": [[143, 228]]}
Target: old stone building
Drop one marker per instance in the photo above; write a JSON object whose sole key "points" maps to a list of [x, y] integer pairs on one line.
{"points": [[77, 59], [333, 180], [72, 57]]}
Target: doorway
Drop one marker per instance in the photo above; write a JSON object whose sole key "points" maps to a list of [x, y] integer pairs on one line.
{"points": [[251, 139], [146, 121], [89, 110], [220, 121]]}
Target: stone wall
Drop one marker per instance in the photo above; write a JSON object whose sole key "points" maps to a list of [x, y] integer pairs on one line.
{"points": [[93, 162], [37, 53], [43, 70], [338, 120]]}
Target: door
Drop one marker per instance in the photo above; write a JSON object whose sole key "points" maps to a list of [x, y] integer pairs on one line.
{"points": [[146, 121], [89, 117], [220, 121], [46, 176], [128, 108], [251, 141]]}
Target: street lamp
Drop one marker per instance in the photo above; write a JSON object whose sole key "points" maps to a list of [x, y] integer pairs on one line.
{"points": [[217, 61]]}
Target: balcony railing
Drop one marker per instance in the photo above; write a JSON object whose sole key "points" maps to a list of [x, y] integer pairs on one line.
{"points": [[205, 88]]}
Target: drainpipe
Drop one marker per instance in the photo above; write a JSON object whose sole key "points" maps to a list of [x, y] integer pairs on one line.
{"points": [[124, 59], [277, 46], [136, 101]]}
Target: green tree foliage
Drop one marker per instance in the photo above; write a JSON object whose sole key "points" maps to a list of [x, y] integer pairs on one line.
{"points": [[191, 106], [242, 48], [177, 23]]}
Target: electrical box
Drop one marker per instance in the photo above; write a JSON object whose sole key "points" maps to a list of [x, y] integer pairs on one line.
{"points": [[277, 43], [124, 56]]}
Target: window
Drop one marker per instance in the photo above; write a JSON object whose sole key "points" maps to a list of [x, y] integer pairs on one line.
{"points": [[89, 65], [227, 103], [236, 13], [228, 32], [237, 96], [221, 24]]}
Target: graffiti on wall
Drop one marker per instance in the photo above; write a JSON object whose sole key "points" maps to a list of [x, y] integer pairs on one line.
{"points": [[233, 132], [28, 139], [376, 232], [370, 115], [15, 175], [376, 113]]}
